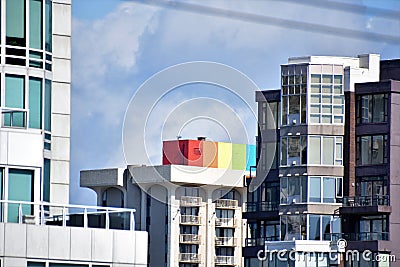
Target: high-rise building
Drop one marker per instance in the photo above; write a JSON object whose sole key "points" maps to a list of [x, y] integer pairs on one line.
{"points": [[326, 150], [191, 206], [35, 215]]}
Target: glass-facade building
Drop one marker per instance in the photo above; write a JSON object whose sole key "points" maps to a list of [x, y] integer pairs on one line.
{"points": [[309, 155]]}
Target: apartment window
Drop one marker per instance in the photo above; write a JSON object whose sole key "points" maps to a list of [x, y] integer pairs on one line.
{"points": [[373, 227], [293, 150], [15, 100], [372, 186], [35, 103], [222, 213], [67, 265], [35, 24], [319, 227], [372, 149], [325, 189], [293, 189], [293, 227], [294, 92], [47, 105], [326, 150], [372, 108], [269, 115], [46, 180], [326, 99], [20, 188], [189, 229], [48, 26], [269, 192], [15, 22], [190, 211]]}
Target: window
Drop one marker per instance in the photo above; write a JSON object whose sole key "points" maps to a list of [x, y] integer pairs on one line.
{"points": [[269, 115], [326, 98], [294, 91], [268, 156], [35, 103], [372, 108], [293, 227], [293, 150], [47, 105], [371, 186], [67, 265], [20, 188], [293, 190], [36, 264], [35, 24], [326, 150], [46, 180], [373, 228], [15, 22], [372, 149], [325, 189], [48, 26], [319, 227], [14, 99]]}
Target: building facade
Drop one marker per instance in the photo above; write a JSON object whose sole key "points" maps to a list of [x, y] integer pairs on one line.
{"points": [[316, 165], [192, 211], [37, 227]]}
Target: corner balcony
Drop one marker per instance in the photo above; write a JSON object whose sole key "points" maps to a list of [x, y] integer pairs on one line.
{"points": [[190, 220], [225, 222], [189, 257], [189, 239], [187, 201], [225, 241], [226, 204], [366, 205], [225, 260]]}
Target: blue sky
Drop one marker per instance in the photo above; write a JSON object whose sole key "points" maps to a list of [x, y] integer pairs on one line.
{"points": [[117, 45]]}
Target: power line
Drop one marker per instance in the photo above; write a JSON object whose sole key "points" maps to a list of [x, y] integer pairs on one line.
{"points": [[348, 7], [272, 21]]}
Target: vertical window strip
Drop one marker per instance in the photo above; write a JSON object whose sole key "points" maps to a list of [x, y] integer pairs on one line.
{"points": [[48, 26], [47, 106], [35, 24], [35, 103]]}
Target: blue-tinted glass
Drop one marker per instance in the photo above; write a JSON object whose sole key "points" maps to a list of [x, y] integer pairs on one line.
{"points": [[15, 91], [20, 188], [35, 24], [36, 264], [46, 180], [315, 189], [67, 265], [329, 190], [35, 103], [48, 26], [15, 22], [47, 105]]}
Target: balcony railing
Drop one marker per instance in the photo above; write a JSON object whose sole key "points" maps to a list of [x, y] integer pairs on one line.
{"points": [[363, 201], [225, 241], [362, 236], [189, 239], [256, 242], [43, 213], [225, 260], [225, 222], [189, 257], [190, 220], [226, 204], [187, 201], [261, 206], [14, 117]]}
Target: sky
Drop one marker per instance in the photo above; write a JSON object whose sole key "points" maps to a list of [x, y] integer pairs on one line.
{"points": [[117, 45]]}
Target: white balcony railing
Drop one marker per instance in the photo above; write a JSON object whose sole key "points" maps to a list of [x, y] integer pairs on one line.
{"points": [[225, 260], [189, 257], [14, 117], [226, 204], [225, 241], [189, 239], [225, 222], [190, 220], [187, 201], [44, 213]]}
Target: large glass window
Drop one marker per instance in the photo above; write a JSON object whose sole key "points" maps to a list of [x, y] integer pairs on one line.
{"points": [[372, 149], [315, 189], [319, 227], [327, 150], [48, 26], [294, 91], [269, 115], [293, 227], [371, 186], [35, 103], [20, 188], [35, 24], [325, 189], [373, 228], [15, 22], [14, 98], [293, 189], [293, 150], [372, 108]]}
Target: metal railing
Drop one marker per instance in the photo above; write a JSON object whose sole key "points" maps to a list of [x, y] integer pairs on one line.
{"points": [[189, 257], [363, 201], [189, 239], [225, 260], [190, 219], [261, 206], [226, 204], [362, 236], [44, 213], [14, 117], [225, 222], [225, 241], [187, 201], [255, 242]]}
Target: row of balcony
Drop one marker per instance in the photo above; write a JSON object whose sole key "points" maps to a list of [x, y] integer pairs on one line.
{"points": [[196, 220], [196, 258], [188, 201], [196, 239], [362, 236], [365, 201], [261, 206]]}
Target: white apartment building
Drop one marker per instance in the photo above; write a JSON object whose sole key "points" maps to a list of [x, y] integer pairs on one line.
{"points": [[37, 227], [193, 214]]}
